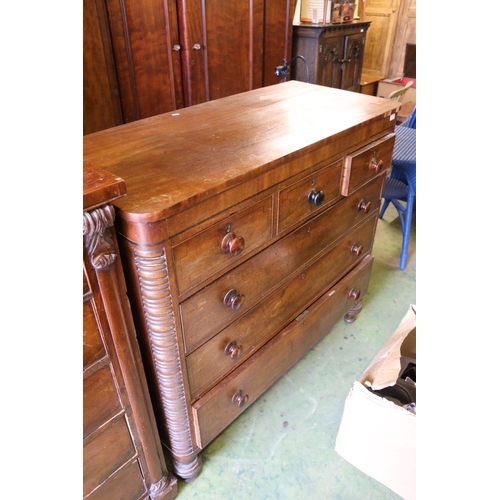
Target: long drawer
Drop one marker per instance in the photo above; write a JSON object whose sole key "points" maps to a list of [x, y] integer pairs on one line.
{"points": [[242, 338], [206, 312], [220, 406]]}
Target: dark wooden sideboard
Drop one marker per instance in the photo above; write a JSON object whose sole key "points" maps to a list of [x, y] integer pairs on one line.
{"points": [[122, 452], [246, 234], [333, 53]]}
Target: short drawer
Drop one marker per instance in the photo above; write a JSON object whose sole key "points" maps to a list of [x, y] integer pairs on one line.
{"points": [[222, 244], [238, 341], [100, 399], [93, 348], [126, 484], [220, 406], [206, 313], [309, 195], [366, 163], [105, 454]]}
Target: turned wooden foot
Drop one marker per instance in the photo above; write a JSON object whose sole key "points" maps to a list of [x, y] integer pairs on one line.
{"points": [[187, 471], [351, 315]]}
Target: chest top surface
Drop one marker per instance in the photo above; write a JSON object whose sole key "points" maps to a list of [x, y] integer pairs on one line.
{"points": [[171, 161]]}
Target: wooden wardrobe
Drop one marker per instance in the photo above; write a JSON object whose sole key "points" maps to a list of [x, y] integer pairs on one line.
{"points": [[146, 57]]}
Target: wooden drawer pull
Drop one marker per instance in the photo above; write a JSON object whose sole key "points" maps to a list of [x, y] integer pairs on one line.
{"points": [[234, 299], [356, 249], [232, 244], [239, 399], [233, 349], [354, 294], [364, 206], [377, 166], [316, 197]]}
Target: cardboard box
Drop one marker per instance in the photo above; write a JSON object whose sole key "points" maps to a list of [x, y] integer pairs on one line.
{"points": [[376, 435]]}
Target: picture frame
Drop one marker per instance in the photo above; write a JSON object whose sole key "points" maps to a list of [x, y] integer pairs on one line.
{"points": [[343, 11], [313, 11]]}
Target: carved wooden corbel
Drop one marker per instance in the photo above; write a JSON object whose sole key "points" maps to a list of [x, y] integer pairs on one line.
{"points": [[98, 237]]}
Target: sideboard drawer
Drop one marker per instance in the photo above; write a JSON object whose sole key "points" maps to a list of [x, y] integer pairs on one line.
{"points": [[238, 341], [366, 163], [309, 195], [222, 244], [220, 406]]}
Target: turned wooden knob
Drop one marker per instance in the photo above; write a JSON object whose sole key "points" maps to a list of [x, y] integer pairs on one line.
{"points": [[364, 206], [316, 197], [354, 294], [376, 165], [239, 399], [356, 249], [233, 349], [232, 244], [234, 299]]}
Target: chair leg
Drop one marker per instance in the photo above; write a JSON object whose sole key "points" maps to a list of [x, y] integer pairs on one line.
{"points": [[406, 232], [384, 208]]}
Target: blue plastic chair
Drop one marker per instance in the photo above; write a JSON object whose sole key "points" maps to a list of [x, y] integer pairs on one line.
{"points": [[401, 184]]}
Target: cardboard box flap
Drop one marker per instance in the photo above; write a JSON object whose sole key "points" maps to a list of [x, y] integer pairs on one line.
{"points": [[379, 438], [384, 370]]}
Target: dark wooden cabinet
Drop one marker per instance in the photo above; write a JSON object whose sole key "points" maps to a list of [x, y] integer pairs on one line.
{"points": [[333, 53], [246, 233], [122, 453], [177, 53], [101, 99]]}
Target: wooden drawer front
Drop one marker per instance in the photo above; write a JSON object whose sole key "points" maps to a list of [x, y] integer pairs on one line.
{"points": [[93, 348], [105, 454], [214, 411], [100, 400], [202, 255], [125, 484], [366, 163], [210, 362], [308, 195], [204, 314]]}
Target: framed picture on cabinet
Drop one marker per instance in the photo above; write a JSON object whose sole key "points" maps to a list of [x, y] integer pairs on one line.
{"points": [[343, 11], [315, 11]]}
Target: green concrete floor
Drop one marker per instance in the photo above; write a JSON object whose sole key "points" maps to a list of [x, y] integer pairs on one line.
{"points": [[283, 445]]}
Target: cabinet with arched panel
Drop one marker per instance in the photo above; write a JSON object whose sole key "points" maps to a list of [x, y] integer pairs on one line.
{"points": [[333, 53]]}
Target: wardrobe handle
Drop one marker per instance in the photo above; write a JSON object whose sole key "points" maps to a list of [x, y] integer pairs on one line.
{"points": [[176, 47], [196, 46], [354, 294]]}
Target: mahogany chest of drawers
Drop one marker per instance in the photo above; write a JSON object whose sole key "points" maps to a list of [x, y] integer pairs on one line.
{"points": [[122, 453], [246, 234]]}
